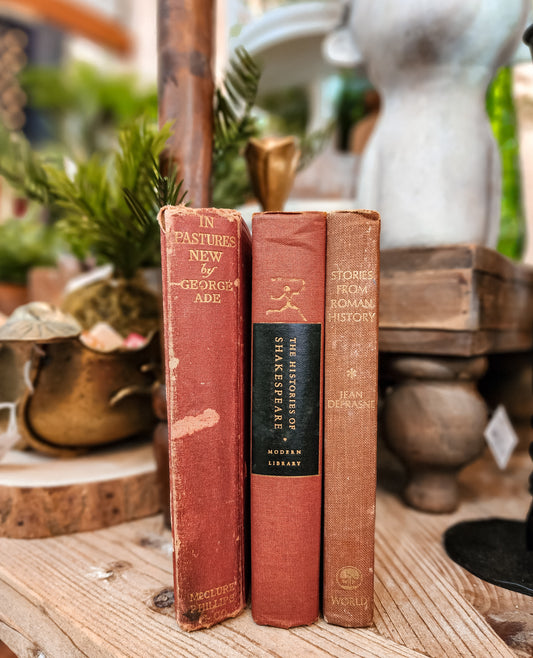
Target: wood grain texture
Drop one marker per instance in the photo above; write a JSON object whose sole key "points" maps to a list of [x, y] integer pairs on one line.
{"points": [[43, 496], [92, 594], [350, 416], [463, 300], [460, 343], [185, 47]]}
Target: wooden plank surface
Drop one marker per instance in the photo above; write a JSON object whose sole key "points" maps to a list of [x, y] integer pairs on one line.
{"points": [[458, 343], [94, 594]]}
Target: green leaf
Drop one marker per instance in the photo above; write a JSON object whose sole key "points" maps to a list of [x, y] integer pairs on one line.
{"points": [[234, 125], [25, 243]]}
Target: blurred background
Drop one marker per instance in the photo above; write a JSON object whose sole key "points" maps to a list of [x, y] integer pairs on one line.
{"points": [[74, 72]]}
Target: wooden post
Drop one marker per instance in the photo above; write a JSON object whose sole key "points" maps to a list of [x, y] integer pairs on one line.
{"points": [[433, 420], [185, 45], [185, 50]]}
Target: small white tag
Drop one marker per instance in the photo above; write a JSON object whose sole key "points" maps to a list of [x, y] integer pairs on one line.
{"points": [[11, 434], [501, 437]]}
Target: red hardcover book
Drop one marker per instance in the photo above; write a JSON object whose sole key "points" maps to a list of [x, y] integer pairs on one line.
{"points": [[350, 416], [286, 474], [205, 266]]}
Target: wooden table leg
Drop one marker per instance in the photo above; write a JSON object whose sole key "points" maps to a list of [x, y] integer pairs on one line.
{"points": [[433, 419]]}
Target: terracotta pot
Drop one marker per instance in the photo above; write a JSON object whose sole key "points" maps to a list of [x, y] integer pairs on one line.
{"points": [[12, 295]]}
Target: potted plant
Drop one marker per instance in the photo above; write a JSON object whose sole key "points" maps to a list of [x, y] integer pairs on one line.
{"points": [[106, 205], [105, 209], [96, 208]]}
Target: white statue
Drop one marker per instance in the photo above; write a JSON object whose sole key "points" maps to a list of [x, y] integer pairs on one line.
{"points": [[431, 167]]}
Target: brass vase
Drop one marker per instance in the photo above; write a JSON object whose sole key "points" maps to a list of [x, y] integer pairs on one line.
{"points": [[76, 397], [83, 398], [272, 164]]}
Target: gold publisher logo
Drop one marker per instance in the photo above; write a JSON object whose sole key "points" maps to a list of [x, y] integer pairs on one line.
{"points": [[286, 291], [348, 577]]}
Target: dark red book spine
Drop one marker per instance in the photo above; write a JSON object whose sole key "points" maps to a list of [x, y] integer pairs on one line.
{"points": [[205, 266], [286, 474], [350, 415]]}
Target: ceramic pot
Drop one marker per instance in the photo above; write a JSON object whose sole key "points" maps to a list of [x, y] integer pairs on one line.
{"points": [[431, 167]]}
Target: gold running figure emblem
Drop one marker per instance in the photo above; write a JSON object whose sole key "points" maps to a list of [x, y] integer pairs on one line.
{"points": [[291, 288]]}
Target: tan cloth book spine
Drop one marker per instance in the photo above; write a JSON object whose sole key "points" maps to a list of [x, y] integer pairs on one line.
{"points": [[350, 415]]}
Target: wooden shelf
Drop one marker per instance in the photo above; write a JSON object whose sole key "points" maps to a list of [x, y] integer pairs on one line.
{"points": [[459, 300], [92, 594]]}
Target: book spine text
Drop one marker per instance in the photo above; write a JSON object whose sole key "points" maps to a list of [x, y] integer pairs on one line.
{"points": [[205, 310], [350, 416], [286, 469]]}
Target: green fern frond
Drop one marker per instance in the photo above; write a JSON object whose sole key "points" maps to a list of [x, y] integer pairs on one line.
{"points": [[233, 126], [164, 190], [234, 101], [23, 168], [110, 206]]}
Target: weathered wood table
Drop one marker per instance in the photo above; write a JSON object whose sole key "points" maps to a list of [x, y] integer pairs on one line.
{"points": [[105, 593], [446, 316]]}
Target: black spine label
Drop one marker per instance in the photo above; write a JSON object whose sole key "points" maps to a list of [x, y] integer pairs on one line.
{"points": [[286, 399]]}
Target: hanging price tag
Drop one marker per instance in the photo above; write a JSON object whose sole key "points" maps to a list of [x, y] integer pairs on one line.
{"points": [[10, 436], [501, 437]]}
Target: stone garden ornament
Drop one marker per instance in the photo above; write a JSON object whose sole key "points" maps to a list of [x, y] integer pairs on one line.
{"points": [[431, 167]]}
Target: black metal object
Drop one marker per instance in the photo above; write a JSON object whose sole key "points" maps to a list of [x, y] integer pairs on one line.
{"points": [[528, 38], [494, 550], [500, 551]]}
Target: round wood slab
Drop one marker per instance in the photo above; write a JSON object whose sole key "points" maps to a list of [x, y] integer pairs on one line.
{"points": [[43, 496]]}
